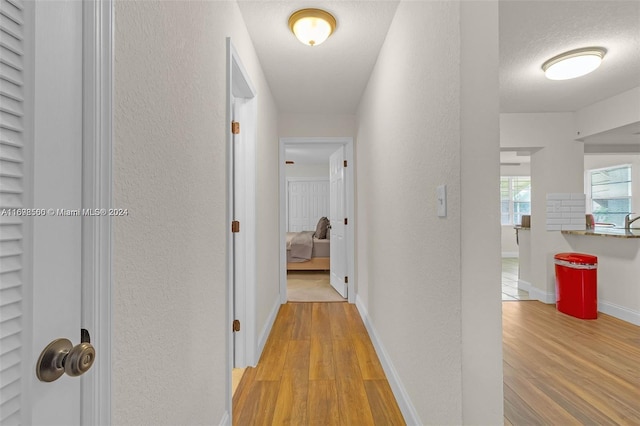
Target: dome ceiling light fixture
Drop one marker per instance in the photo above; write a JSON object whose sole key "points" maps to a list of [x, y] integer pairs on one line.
{"points": [[312, 26], [574, 63]]}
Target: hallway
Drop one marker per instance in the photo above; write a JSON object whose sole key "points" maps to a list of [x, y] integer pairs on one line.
{"points": [[318, 367]]}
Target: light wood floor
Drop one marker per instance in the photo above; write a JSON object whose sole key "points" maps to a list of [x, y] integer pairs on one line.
{"points": [[318, 367], [562, 370]]}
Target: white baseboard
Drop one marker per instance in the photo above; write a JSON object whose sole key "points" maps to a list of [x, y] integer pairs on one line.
{"points": [[619, 312], [524, 286], [510, 254], [264, 334], [544, 297], [226, 420], [402, 397]]}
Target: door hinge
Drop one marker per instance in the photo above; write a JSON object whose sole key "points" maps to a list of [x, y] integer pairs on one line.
{"points": [[236, 325], [235, 226], [345, 163], [346, 221], [346, 280], [235, 127]]}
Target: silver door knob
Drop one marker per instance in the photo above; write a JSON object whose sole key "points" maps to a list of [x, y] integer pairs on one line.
{"points": [[60, 356]]}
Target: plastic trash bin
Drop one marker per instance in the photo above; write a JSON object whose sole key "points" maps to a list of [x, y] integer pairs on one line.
{"points": [[576, 284]]}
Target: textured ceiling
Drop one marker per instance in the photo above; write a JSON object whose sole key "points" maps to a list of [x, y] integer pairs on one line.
{"points": [[328, 78], [533, 31]]}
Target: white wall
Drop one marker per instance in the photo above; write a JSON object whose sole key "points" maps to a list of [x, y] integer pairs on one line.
{"points": [[610, 113], [482, 386], [169, 171], [316, 125], [508, 242], [599, 161], [409, 267], [307, 170]]}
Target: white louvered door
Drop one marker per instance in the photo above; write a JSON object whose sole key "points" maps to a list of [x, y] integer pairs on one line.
{"points": [[41, 166]]}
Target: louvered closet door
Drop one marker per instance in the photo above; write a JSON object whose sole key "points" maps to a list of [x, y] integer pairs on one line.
{"points": [[40, 168], [14, 311]]}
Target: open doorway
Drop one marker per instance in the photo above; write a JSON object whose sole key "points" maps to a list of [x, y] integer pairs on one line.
{"points": [[316, 202], [515, 215]]}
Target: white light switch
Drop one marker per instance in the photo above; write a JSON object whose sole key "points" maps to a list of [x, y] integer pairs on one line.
{"points": [[441, 192]]}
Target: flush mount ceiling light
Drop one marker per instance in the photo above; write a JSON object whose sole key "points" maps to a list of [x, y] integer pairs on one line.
{"points": [[312, 26], [574, 63]]}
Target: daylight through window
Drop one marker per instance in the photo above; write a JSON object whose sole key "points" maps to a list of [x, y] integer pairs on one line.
{"points": [[610, 194], [515, 198]]}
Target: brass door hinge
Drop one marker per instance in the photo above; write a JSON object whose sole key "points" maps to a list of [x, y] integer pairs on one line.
{"points": [[346, 221], [235, 127], [235, 226], [346, 280], [345, 163], [236, 325]]}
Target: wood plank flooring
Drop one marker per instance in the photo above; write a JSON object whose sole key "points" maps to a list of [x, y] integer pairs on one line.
{"points": [[318, 367], [563, 370]]}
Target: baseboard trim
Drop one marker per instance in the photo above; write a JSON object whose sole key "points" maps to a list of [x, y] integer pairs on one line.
{"points": [[264, 334], [544, 297], [510, 254], [524, 286], [402, 397], [620, 312], [226, 420]]}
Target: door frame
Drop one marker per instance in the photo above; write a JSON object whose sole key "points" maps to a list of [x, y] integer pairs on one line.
{"points": [[350, 192], [97, 176], [241, 303]]}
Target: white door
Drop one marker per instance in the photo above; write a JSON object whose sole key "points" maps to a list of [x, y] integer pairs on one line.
{"points": [[337, 210], [41, 169]]}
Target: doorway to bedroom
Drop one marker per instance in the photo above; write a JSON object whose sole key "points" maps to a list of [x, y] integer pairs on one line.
{"points": [[316, 188]]}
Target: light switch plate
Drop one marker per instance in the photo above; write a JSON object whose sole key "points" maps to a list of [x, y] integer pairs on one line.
{"points": [[441, 192]]}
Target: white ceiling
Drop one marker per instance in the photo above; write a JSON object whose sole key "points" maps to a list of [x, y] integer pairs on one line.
{"points": [[330, 78], [533, 31]]}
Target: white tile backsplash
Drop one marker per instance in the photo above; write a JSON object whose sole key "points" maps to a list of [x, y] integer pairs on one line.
{"points": [[566, 211]]}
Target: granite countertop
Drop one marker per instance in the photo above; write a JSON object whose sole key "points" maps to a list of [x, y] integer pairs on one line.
{"points": [[607, 232]]}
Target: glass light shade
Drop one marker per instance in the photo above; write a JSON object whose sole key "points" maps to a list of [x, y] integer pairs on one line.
{"points": [[312, 26], [572, 64]]}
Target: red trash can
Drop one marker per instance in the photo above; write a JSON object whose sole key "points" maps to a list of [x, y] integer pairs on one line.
{"points": [[576, 284]]}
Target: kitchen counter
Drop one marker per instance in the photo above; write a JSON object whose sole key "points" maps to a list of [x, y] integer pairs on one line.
{"points": [[607, 232], [618, 253]]}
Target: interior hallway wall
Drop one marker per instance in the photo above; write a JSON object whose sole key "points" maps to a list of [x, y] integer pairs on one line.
{"points": [[170, 303], [307, 170], [316, 125], [409, 260], [481, 269]]}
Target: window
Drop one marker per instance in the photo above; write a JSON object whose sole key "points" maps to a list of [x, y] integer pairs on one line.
{"points": [[515, 198], [610, 194]]}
